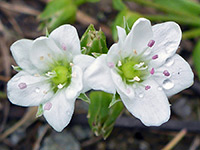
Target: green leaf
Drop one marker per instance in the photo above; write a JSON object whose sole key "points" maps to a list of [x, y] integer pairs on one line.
{"points": [[125, 15], [84, 97], [92, 1], [96, 54], [187, 6], [40, 111], [118, 5], [93, 41], [196, 56], [101, 118], [115, 99]]}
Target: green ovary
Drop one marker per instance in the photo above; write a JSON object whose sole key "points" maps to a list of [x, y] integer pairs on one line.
{"points": [[63, 75], [128, 70]]}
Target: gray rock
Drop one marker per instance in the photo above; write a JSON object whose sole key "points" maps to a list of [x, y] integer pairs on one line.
{"points": [[60, 141]]}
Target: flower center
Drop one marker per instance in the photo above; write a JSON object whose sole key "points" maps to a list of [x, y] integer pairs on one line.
{"points": [[62, 75], [132, 70]]}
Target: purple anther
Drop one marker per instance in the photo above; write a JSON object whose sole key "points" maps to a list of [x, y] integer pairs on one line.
{"points": [[166, 73], [152, 71], [111, 64], [155, 57], [22, 85], [151, 43], [64, 47], [147, 87], [48, 106]]}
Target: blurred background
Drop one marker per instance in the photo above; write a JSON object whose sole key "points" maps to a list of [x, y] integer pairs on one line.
{"points": [[20, 130]]}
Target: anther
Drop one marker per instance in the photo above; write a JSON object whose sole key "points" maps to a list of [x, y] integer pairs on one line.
{"points": [[151, 43], [71, 64], [48, 106], [60, 86], [64, 47], [22, 85], [136, 78], [152, 71], [119, 63], [147, 87], [111, 64], [155, 57], [135, 52], [166, 73], [41, 57]]}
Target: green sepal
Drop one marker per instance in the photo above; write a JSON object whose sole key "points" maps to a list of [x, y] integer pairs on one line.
{"points": [[16, 68], [47, 32], [84, 97], [101, 118], [96, 54], [40, 111], [115, 99], [93, 41], [124, 19]]}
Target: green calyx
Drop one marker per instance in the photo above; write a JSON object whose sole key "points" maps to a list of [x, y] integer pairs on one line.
{"points": [[132, 70]]}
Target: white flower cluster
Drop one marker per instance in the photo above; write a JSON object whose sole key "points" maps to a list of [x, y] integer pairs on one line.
{"points": [[142, 68]]}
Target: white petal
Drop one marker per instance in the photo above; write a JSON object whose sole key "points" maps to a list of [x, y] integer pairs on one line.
{"points": [[60, 112], [121, 33], [44, 52], [76, 85], [138, 38], [114, 53], [83, 61], [66, 37], [167, 38], [180, 78], [20, 51], [97, 76], [150, 106], [36, 90]]}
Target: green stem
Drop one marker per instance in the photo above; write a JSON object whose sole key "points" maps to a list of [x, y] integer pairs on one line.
{"points": [[191, 33], [178, 19], [3, 95], [164, 8]]}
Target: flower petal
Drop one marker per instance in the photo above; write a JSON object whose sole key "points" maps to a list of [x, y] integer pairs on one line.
{"points": [[114, 53], [44, 52], [179, 77], [97, 76], [167, 38], [121, 33], [20, 51], [151, 106], [27, 90], [66, 37], [76, 85], [83, 61], [60, 111], [138, 38]]}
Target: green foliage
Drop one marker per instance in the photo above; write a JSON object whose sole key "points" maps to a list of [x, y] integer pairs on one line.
{"points": [[84, 97], [128, 17], [118, 5], [101, 118], [196, 56], [93, 41], [187, 6], [40, 111]]}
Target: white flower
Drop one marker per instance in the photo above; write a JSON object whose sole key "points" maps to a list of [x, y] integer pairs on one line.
{"points": [[51, 76], [144, 69]]}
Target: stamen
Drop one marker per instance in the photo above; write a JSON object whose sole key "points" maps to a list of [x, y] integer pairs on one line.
{"points": [[152, 71], [22, 85], [71, 64], [136, 66], [166, 73], [36, 75], [111, 64], [155, 57], [135, 52], [48, 106], [136, 78], [51, 74], [151, 43], [147, 87], [60, 86], [119, 63], [41, 57], [64, 47]]}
